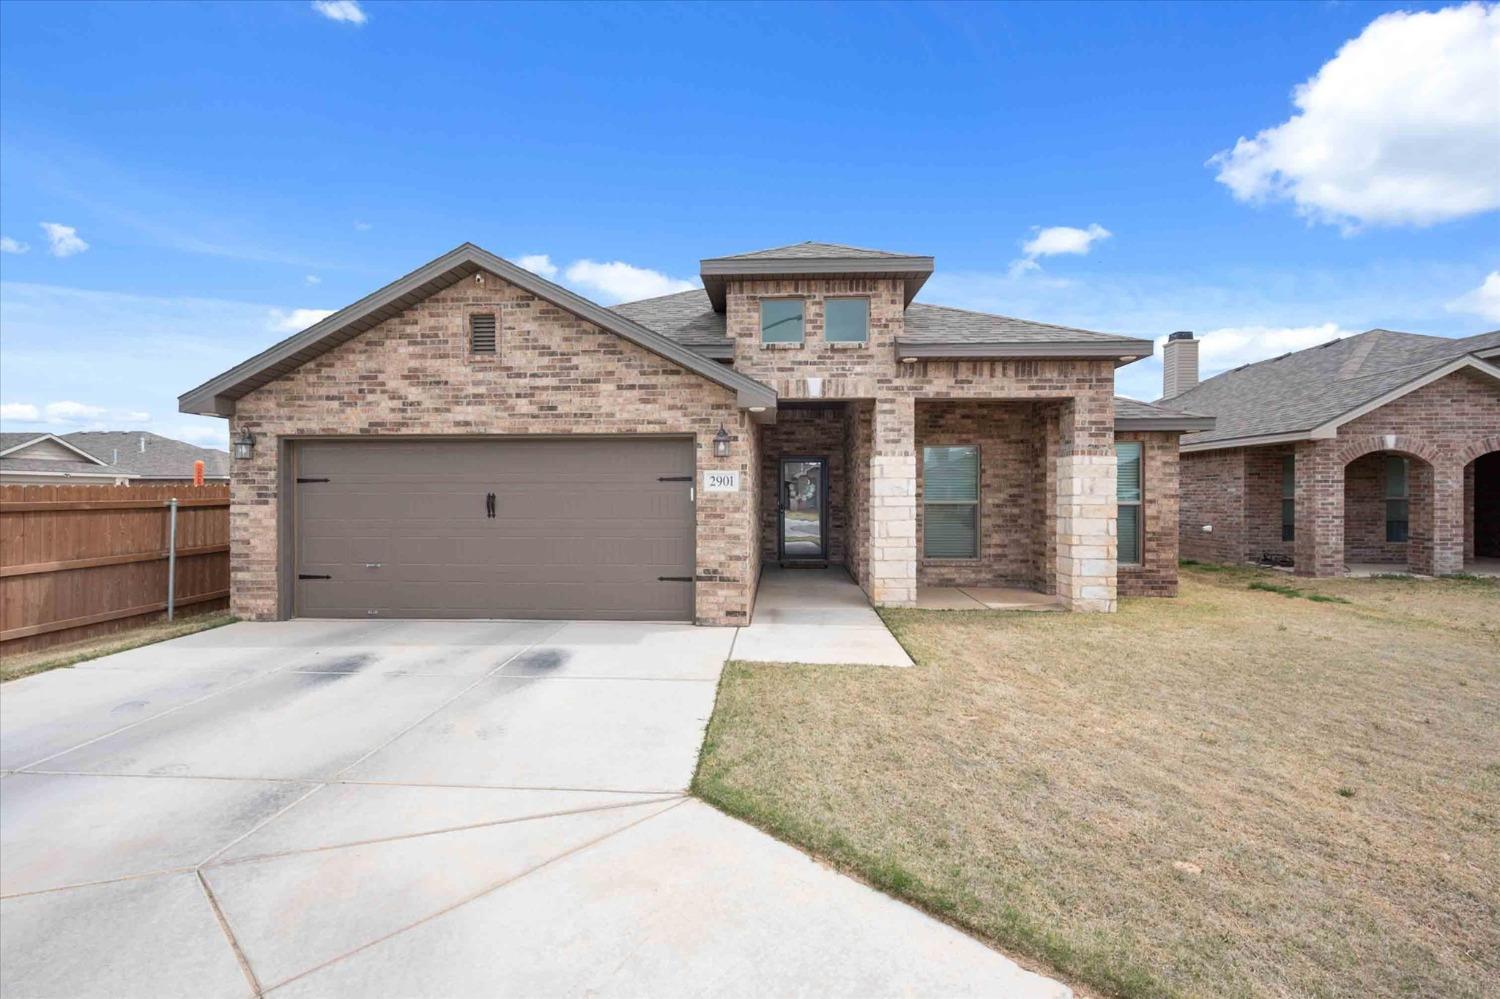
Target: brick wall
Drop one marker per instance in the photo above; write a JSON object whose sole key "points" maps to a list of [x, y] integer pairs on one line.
{"points": [[1212, 494], [553, 374], [805, 432], [1012, 504], [1156, 576], [1364, 513], [1263, 495], [859, 439]]}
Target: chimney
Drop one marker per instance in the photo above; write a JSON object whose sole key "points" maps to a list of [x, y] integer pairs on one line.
{"points": [[1179, 364]]}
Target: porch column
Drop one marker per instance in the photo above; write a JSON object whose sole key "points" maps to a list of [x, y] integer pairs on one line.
{"points": [[1319, 515], [1437, 512], [893, 504], [1086, 510]]}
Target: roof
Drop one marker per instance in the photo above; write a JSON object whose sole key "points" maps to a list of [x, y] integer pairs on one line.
{"points": [[1309, 393], [18, 442], [11, 465], [931, 331], [813, 260], [1133, 414], [814, 251], [162, 458], [216, 397]]}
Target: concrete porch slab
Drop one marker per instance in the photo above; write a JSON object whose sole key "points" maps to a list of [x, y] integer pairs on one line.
{"points": [[816, 616], [985, 598]]}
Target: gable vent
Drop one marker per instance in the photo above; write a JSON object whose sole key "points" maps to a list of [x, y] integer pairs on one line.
{"points": [[482, 333]]}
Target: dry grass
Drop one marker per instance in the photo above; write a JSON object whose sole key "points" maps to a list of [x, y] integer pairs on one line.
{"points": [[13, 667], [1231, 793]]}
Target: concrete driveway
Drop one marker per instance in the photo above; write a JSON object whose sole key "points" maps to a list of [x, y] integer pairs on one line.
{"points": [[319, 808]]}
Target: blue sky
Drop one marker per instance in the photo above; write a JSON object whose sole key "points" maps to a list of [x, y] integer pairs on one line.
{"points": [[182, 185]]}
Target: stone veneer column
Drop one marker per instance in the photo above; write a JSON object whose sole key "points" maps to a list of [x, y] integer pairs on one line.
{"points": [[1086, 511], [893, 504], [1319, 513]]}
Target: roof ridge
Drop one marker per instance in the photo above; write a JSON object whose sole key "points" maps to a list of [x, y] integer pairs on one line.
{"points": [[658, 298], [1014, 319]]}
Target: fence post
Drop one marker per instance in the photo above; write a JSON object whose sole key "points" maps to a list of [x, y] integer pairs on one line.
{"points": [[172, 559]]}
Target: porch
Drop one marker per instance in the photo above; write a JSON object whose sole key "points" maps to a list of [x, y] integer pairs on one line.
{"points": [[941, 502]]}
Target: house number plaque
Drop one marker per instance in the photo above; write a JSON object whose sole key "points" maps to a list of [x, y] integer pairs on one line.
{"points": [[721, 482]]}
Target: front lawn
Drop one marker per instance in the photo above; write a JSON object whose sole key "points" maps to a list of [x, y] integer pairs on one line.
{"points": [[13, 666], [1242, 791]]}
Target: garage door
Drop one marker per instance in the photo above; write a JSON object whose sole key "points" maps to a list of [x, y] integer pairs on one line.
{"points": [[530, 528]]}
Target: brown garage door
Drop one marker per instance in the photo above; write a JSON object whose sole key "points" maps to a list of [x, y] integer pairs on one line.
{"points": [[576, 528]]}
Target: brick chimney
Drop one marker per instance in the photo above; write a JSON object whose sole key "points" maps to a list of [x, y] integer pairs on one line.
{"points": [[1179, 364]]}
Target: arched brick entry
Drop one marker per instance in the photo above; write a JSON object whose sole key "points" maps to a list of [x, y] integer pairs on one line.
{"points": [[1481, 500], [1381, 529]]}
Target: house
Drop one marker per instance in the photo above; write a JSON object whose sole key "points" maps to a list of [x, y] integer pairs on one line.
{"points": [[109, 457], [1382, 449], [474, 441]]}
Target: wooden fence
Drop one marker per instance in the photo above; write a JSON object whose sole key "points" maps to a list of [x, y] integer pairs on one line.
{"points": [[80, 561]]}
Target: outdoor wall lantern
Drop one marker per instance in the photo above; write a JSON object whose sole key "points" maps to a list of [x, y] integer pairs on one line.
{"points": [[244, 445], [721, 443]]}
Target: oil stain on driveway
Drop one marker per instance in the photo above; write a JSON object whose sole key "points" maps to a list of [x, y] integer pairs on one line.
{"points": [[321, 808]]}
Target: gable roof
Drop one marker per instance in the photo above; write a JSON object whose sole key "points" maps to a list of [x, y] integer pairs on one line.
{"points": [[933, 331], [13, 445], [161, 458], [1308, 394], [1133, 414], [216, 397], [813, 260]]}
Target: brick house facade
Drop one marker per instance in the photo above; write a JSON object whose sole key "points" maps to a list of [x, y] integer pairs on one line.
{"points": [[1388, 461], [1036, 402]]}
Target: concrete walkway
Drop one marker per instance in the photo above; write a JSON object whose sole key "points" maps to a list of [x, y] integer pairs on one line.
{"points": [[410, 809], [816, 616]]}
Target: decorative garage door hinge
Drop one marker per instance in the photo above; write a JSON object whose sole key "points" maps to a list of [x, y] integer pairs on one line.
{"points": [[674, 478], [310, 575], [674, 579], [311, 480]]}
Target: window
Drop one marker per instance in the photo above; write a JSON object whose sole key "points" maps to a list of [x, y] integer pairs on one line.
{"points": [[1289, 498], [950, 502], [781, 320], [482, 333], [846, 320], [1128, 496], [1397, 526]]}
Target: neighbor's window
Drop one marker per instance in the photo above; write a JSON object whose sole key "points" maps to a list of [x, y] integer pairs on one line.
{"points": [[1128, 495], [482, 333], [1289, 498], [950, 502], [1397, 524], [846, 320], [781, 320]]}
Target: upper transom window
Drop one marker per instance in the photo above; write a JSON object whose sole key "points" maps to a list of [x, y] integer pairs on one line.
{"points": [[781, 320], [846, 320]]}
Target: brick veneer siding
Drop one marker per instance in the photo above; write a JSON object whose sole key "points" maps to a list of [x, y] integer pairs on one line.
{"points": [[1442, 427], [859, 440], [1365, 512], [1263, 495], [1012, 501], [799, 432], [553, 374], [1156, 575]]}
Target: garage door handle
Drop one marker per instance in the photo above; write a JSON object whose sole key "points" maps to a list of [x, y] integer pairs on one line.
{"points": [[489, 505]]}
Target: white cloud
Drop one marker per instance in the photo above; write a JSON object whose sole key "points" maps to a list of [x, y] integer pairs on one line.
{"points": [[362, 227], [1232, 346], [1483, 301], [344, 11], [1401, 127], [295, 320], [1054, 241], [8, 245], [209, 433], [621, 282], [72, 412], [23, 411], [538, 263], [62, 240], [313, 279]]}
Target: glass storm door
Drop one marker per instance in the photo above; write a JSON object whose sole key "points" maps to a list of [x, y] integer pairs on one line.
{"points": [[804, 514]]}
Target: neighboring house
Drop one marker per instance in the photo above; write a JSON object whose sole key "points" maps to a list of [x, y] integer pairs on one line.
{"points": [[1378, 449], [475, 441], [110, 457]]}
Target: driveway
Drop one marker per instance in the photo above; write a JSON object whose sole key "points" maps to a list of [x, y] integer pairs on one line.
{"points": [[320, 808]]}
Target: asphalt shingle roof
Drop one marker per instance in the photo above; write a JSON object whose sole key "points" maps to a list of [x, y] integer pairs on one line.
{"points": [[15, 463], [688, 318], [1297, 392], [813, 251], [1135, 409], [9, 440], [163, 457]]}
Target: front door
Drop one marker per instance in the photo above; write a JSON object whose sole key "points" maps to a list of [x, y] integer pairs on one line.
{"points": [[804, 509]]}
